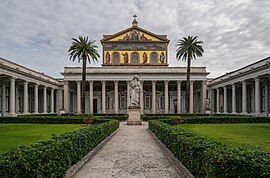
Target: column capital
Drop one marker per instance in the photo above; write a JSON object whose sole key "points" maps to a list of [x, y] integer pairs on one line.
{"points": [[191, 82], [12, 79], [244, 82], [116, 81], [257, 79], [36, 85], [225, 87], [153, 81], [65, 82], [91, 81], [204, 82], [166, 81], [45, 87], [179, 82], [103, 82], [78, 82], [25, 82]]}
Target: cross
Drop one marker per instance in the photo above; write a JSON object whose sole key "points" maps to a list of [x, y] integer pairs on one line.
{"points": [[134, 16]]}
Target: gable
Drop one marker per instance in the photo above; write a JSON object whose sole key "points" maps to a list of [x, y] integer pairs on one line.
{"points": [[135, 34]]}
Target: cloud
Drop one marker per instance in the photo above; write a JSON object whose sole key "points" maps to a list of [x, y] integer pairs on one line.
{"points": [[37, 33]]}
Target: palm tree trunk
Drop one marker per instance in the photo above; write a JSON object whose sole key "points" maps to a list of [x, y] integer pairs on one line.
{"points": [[83, 85], [188, 83]]}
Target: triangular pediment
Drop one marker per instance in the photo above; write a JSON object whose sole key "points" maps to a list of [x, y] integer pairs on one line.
{"points": [[135, 34]]}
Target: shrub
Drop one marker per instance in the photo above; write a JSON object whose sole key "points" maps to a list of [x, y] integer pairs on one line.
{"points": [[200, 119], [53, 158], [78, 119], [208, 158]]}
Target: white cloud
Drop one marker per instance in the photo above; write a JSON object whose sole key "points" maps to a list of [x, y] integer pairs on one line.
{"points": [[37, 33]]}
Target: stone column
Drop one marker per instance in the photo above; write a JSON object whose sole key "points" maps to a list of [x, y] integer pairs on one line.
{"points": [[12, 97], [233, 99], [257, 96], [141, 98], [66, 96], [191, 97], [57, 101], [153, 97], [79, 108], [91, 96], [128, 94], [116, 98], [266, 104], [25, 97], [103, 97], [36, 99], [225, 99], [166, 90], [45, 100], [244, 97], [203, 96], [52, 101], [212, 100], [3, 100], [217, 100], [60, 99], [178, 96]]}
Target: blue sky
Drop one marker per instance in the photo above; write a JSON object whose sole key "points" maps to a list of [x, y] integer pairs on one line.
{"points": [[37, 33]]}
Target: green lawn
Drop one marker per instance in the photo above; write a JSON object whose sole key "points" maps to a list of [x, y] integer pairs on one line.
{"points": [[14, 135], [235, 135]]}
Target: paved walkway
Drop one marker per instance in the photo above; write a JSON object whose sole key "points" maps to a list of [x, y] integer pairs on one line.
{"points": [[132, 152]]}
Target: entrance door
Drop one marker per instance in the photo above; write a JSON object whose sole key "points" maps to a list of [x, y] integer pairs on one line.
{"points": [[95, 105]]}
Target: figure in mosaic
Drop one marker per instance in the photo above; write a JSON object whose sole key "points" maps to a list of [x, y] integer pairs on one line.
{"points": [[145, 58], [125, 57]]}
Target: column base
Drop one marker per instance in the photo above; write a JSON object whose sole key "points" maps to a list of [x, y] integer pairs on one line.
{"points": [[244, 113], [11, 114]]}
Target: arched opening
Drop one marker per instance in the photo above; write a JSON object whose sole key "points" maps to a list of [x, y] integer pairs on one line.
{"points": [[154, 58], [135, 59], [116, 58]]}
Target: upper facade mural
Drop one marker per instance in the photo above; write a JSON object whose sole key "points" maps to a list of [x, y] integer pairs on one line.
{"points": [[135, 46]]}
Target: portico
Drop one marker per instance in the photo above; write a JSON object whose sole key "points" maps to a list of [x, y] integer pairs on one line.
{"points": [[244, 91], [24, 91]]}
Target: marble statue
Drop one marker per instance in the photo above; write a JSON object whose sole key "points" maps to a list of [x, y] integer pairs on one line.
{"points": [[135, 91]]}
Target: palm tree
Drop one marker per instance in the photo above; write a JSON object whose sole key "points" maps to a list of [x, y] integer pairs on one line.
{"points": [[187, 49], [85, 50]]}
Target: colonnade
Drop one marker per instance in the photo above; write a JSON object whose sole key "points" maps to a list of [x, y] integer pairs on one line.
{"points": [[116, 92], [12, 84], [243, 101]]}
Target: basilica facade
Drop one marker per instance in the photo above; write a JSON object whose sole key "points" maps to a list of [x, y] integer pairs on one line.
{"points": [[134, 51]]}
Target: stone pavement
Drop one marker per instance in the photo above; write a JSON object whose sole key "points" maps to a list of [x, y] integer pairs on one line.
{"points": [[132, 152]]}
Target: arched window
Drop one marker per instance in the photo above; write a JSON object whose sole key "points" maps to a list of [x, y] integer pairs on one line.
{"points": [[135, 59], [154, 58], [116, 58]]}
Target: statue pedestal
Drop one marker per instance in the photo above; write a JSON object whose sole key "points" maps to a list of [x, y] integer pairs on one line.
{"points": [[134, 115], [208, 111]]}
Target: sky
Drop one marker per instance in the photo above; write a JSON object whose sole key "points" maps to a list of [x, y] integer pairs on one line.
{"points": [[37, 33]]}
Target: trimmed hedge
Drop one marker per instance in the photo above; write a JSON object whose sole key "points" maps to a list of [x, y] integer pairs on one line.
{"points": [[208, 158], [147, 117], [54, 157], [215, 119], [120, 117], [47, 120], [54, 119]]}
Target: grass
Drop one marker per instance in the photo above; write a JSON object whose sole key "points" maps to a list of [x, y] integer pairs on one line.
{"points": [[15, 135], [235, 135]]}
